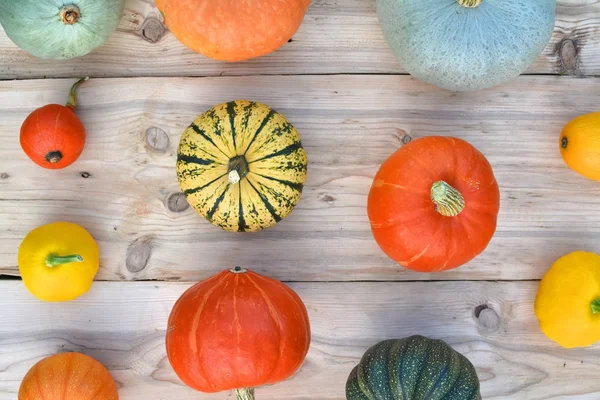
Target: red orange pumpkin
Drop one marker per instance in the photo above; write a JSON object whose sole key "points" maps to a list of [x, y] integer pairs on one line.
{"points": [[237, 330], [434, 203], [68, 376], [233, 30], [53, 136]]}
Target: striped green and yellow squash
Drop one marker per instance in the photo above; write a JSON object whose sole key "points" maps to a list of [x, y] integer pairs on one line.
{"points": [[242, 166], [414, 368]]}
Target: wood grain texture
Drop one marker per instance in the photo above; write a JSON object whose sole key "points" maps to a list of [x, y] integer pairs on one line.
{"points": [[492, 324], [336, 37], [125, 192]]}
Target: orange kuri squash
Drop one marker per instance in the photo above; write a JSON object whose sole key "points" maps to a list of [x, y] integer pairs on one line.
{"points": [[434, 203], [68, 376], [233, 30], [237, 330]]}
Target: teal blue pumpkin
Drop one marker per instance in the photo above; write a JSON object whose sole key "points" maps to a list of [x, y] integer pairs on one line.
{"points": [[463, 45], [414, 368], [60, 29]]}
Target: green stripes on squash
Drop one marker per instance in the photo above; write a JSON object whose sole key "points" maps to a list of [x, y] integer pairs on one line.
{"points": [[414, 368], [242, 166]]}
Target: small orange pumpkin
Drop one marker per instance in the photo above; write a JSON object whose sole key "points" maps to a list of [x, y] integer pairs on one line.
{"points": [[434, 204], [68, 376], [53, 136], [237, 330], [233, 30]]}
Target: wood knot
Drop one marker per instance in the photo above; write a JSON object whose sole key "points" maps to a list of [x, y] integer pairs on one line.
{"points": [[152, 30], [327, 198], [402, 136], [85, 175], [157, 140], [567, 51], [176, 202], [138, 254], [486, 317], [4, 175]]}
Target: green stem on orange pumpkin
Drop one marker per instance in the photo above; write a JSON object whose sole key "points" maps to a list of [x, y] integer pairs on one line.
{"points": [[244, 394], [449, 202], [596, 306], [54, 260], [72, 95], [469, 3]]}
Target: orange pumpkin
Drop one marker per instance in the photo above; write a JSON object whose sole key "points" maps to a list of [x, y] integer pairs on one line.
{"points": [[237, 330], [53, 136], [434, 203], [233, 30], [68, 376]]}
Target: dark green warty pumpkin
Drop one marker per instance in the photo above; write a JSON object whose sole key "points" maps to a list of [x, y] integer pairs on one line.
{"points": [[414, 368]]}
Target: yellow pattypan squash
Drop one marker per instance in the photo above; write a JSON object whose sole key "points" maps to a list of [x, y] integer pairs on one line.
{"points": [[568, 300], [58, 261]]}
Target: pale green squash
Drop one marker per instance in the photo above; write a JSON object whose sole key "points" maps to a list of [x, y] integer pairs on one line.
{"points": [[60, 29]]}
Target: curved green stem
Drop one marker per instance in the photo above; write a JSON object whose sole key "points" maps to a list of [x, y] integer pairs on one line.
{"points": [[449, 202], [244, 394], [54, 260], [469, 3], [596, 306], [72, 95]]}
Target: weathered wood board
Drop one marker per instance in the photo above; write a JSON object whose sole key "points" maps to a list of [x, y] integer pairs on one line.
{"points": [[492, 323], [336, 37], [124, 188]]}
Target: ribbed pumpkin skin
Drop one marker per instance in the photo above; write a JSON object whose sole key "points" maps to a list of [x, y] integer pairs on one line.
{"points": [[404, 219], [35, 26], [276, 162], [233, 30], [68, 376], [414, 368], [463, 49], [237, 330]]}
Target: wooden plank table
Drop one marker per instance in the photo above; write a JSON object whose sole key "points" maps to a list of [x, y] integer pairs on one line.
{"points": [[340, 86]]}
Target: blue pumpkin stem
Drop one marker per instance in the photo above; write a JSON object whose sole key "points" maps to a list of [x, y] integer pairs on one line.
{"points": [[72, 95], [470, 3]]}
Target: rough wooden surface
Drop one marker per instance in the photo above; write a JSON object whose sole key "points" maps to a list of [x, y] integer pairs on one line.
{"points": [[492, 323], [336, 37], [124, 188]]}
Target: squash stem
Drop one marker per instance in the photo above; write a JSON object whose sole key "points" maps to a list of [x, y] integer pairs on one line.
{"points": [[449, 202], [470, 3], [54, 260], [596, 306], [69, 14], [237, 169], [72, 95], [244, 394]]}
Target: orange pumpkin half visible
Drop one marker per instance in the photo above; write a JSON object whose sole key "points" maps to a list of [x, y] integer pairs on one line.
{"points": [[68, 376], [233, 30], [237, 330], [434, 203]]}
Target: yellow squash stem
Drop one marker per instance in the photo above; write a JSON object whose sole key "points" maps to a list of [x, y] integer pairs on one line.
{"points": [[54, 260], [72, 95], [596, 306], [244, 394], [469, 3], [449, 202]]}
